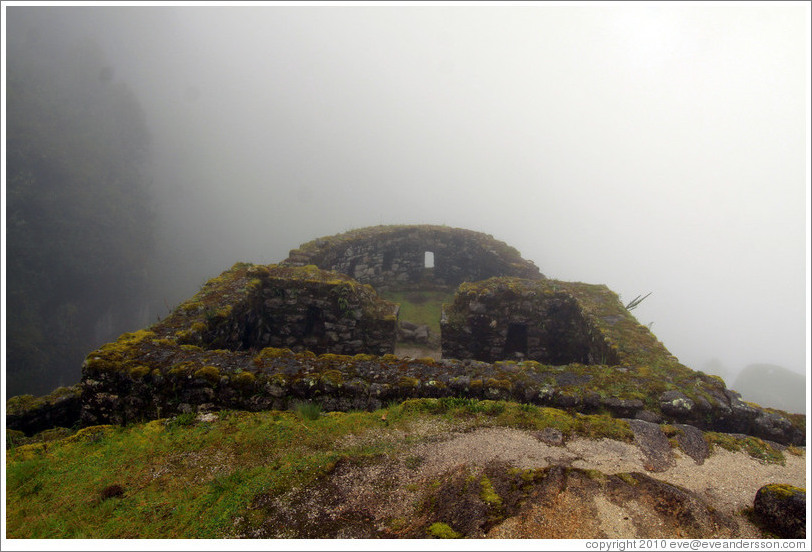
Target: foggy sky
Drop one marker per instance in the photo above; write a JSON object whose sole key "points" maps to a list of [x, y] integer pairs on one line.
{"points": [[647, 147]]}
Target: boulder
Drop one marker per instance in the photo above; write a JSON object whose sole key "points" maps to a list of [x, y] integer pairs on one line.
{"points": [[782, 510], [653, 443], [692, 441]]}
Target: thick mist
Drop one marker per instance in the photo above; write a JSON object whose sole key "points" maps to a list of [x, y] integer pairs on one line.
{"points": [[652, 148]]}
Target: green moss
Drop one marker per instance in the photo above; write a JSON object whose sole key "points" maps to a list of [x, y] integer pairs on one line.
{"points": [[209, 373], [184, 336], [119, 354], [753, 446], [270, 353], [244, 379], [138, 372], [21, 403], [595, 475], [278, 379], [332, 377], [183, 369], [333, 358], [91, 434], [24, 403], [783, 491], [599, 426], [488, 494], [441, 530], [628, 478], [407, 382], [493, 383]]}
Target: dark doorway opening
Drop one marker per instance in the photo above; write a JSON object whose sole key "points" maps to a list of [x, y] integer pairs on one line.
{"points": [[516, 341], [351, 267], [314, 322], [388, 259]]}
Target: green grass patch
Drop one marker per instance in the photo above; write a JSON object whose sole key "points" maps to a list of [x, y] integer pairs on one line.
{"points": [[420, 307], [186, 478], [753, 446], [176, 481]]}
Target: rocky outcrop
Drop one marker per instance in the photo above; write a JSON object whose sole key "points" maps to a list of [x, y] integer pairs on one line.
{"points": [[29, 414], [782, 510], [497, 501]]}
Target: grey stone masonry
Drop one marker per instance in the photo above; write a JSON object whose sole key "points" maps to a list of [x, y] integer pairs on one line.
{"points": [[396, 256]]}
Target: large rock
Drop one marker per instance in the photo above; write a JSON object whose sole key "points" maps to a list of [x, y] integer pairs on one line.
{"points": [[650, 439], [34, 414], [782, 510]]}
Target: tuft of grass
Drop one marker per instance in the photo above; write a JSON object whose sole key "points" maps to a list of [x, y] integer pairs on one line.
{"points": [[182, 420], [308, 410]]}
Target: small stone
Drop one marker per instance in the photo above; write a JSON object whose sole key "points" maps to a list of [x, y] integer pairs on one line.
{"points": [[550, 436]]}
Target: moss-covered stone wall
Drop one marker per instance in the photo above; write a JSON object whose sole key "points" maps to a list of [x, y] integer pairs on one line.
{"points": [[300, 308], [394, 256], [145, 376], [249, 340], [512, 318]]}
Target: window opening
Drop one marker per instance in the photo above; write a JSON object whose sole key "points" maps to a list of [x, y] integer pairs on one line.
{"points": [[429, 259]]}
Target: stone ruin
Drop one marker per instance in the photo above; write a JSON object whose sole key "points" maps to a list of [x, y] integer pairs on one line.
{"points": [[263, 337], [299, 308], [512, 318], [421, 256]]}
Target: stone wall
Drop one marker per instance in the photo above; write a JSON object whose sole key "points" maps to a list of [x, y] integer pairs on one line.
{"points": [[395, 256], [142, 377], [207, 355], [512, 318], [303, 309]]}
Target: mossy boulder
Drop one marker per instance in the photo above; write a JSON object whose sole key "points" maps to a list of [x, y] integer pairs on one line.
{"points": [[31, 415], [782, 510]]}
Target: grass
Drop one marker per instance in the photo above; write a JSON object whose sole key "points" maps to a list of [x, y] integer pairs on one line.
{"points": [[308, 410], [160, 479], [753, 446], [172, 475], [186, 478], [420, 307]]}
